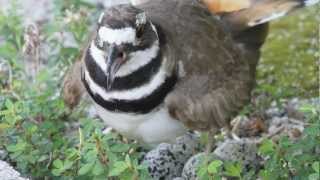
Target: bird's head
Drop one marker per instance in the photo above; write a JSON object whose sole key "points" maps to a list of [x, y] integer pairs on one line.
{"points": [[125, 38]]}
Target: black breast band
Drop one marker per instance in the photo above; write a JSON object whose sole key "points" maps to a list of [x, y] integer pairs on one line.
{"points": [[139, 106]]}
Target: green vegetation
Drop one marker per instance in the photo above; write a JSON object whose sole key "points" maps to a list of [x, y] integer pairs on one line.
{"points": [[33, 128], [284, 160], [35, 124], [290, 62]]}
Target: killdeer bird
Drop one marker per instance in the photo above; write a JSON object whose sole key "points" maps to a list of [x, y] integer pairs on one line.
{"points": [[160, 68]]}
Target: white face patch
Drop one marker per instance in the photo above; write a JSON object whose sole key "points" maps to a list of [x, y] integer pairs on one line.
{"points": [[139, 59], [98, 56], [117, 36]]}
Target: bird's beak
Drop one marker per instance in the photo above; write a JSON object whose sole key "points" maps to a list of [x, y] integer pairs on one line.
{"points": [[115, 59]]}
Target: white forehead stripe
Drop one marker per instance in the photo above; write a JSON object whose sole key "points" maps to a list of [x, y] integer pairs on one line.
{"points": [[98, 56], [117, 36]]}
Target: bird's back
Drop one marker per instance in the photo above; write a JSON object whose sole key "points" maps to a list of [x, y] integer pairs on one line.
{"points": [[198, 41], [211, 65]]}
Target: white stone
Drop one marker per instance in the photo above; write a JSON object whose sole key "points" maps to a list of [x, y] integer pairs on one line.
{"points": [[8, 173]]}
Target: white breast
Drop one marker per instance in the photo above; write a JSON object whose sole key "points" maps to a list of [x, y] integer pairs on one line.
{"points": [[152, 128]]}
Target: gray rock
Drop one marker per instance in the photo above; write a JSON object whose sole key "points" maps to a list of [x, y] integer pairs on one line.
{"points": [[3, 154], [190, 168], [278, 121], [162, 163], [186, 146], [179, 178], [313, 101], [136, 2], [292, 109], [244, 150], [286, 126], [166, 161], [294, 105], [8, 173], [274, 110]]}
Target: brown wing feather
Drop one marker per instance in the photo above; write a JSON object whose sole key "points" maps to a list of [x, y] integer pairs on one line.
{"points": [[72, 87], [217, 79]]}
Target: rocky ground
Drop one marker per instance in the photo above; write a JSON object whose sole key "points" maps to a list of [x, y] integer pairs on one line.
{"points": [[181, 159]]}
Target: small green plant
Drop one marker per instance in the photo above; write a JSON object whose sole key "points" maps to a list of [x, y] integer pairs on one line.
{"points": [[288, 159], [217, 169], [35, 124]]}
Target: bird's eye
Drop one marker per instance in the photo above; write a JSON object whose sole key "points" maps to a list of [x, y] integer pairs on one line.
{"points": [[139, 32]]}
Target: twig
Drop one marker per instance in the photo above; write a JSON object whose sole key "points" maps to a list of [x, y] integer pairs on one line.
{"points": [[50, 160], [298, 122], [101, 152]]}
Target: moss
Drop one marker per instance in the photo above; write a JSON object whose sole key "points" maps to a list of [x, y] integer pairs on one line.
{"points": [[290, 58]]}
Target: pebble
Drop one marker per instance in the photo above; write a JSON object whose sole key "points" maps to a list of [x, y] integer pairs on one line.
{"points": [[243, 150], [274, 111], [190, 168], [186, 146], [166, 161], [291, 108], [3, 154], [278, 121], [179, 178], [8, 173], [162, 163]]}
